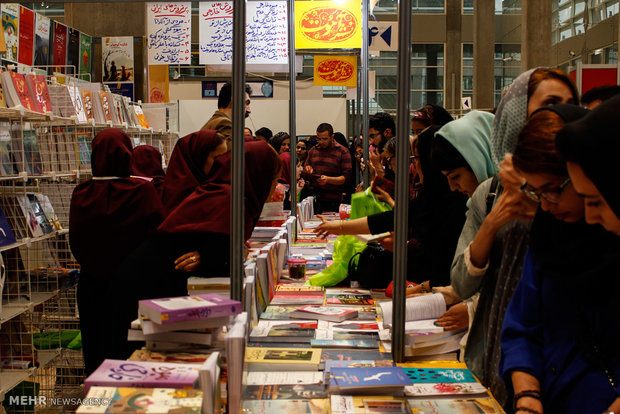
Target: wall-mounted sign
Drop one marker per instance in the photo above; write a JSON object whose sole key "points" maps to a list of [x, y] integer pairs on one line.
{"points": [[328, 24], [332, 70]]}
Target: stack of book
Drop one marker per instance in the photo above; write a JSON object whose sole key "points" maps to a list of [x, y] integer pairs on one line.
{"points": [[183, 323], [368, 381], [423, 339]]}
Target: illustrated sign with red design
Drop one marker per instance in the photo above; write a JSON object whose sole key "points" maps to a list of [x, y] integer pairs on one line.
{"points": [[328, 24], [335, 70]]}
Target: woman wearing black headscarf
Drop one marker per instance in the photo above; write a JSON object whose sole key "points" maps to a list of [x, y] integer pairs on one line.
{"points": [[111, 215], [146, 163]]}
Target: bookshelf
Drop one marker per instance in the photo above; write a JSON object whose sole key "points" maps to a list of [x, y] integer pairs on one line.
{"points": [[42, 158]]}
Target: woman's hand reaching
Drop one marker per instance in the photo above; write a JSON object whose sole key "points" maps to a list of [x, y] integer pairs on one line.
{"points": [[188, 262]]}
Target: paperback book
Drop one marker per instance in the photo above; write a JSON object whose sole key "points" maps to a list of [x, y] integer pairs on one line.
{"points": [[325, 313], [368, 380], [117, 373], [187, 308], [284, 331], [344, 404], [282, 359], [134, 400]]}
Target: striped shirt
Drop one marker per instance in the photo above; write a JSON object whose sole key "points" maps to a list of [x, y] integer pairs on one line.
{"points": [[334, 161]]}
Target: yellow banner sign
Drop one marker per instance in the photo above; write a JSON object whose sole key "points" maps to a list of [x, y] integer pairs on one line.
{"points": [[158, 84], [335, 70], [328, 24]]}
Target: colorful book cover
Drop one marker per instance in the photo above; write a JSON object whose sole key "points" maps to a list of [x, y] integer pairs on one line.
{"points": [[284, 331], [297, 299], [25, 52], [87, 100], [42, 221], [118, 64], [6, 233], [86, 52], [343, 404], [445, 388], [59, 49], [348, 299], [185, 308], [437, 375], [37, 85], [357, 364], [284, 392], [42, 40], [19, 81], [73, 49], [31, 152], [292, 289], [7, 166], [140, 116], [137, 400], [10, 25], [278, 359], [84, 149], [368, 377], [456, 406], [353, 355], [115, 373], [105, 104], [314, 406], [345, 343]]}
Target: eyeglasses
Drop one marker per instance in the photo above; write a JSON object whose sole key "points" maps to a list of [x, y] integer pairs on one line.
{"points": [[552, 196]]}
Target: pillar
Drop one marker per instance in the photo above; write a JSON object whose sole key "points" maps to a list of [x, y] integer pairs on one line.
{"points": [[453, 54], [535, 34], [484, 48]]}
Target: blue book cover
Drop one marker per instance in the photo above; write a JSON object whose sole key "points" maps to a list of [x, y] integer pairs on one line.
{"points": [[368, 377], [6, 233], [439, 375]]}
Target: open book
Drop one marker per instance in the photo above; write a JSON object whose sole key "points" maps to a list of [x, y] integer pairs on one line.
{"points": [[417, 308]]}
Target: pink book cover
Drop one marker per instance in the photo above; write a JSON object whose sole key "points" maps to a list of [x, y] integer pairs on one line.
{"points": [[25, 49], [142, 374], [19, 80], [39, 92], [185, 308]]}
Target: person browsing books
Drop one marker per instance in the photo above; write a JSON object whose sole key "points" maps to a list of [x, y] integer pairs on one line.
{"points": [[328, 168], [559, 339], [190, 165], [146, 163], [110, 215]]}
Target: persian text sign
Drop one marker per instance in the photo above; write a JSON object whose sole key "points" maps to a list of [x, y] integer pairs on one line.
{"points": [[328, 24], [266, 32], [169, 28], [335, 70]]}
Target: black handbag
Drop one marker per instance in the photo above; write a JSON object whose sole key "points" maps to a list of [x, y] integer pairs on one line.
{"points": [[373, 267]]}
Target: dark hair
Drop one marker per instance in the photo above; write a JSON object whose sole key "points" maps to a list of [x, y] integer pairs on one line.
{"points": [[305, 142], [535, 151], [382, 121], [225, 96], [601, 93], [542, 74], [249, 130], [445, 157], [277, 140], [325, 127], [311, 142], [432, 115], [390, 146], [264, 132], [340, 138]]}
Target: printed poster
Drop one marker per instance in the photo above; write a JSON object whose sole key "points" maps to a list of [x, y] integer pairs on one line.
{"points": [[25, 52], [169, 29], [9, 15], [266, 32], [73, 49], [42, 40], [86, 50], [328, 24], [159, 79], [117, 58], [330, 70], [59, 48]]}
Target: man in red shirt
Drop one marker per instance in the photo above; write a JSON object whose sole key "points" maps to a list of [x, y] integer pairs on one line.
{"points": [[328, 168]]}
